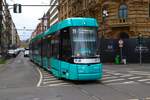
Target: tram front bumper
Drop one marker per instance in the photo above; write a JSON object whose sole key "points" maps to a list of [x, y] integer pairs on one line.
{"points": [[95, 76]]}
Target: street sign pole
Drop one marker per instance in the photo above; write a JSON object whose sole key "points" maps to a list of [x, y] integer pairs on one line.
{"points": [[121, 46], [140, 54], [121, 53], [140, 39]]}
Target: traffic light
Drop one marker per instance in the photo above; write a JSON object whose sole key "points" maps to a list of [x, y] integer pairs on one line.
{"points": [[17, 8], [20, 9]]}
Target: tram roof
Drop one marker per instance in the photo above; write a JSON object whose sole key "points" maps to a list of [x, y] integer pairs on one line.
{"points": [[75, 21], [37, 37]]}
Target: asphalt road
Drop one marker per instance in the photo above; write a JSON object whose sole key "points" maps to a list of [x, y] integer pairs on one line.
{"points": [[19, 79]]}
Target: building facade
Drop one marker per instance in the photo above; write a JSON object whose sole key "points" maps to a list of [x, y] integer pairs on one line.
{"points": [[8, 34], [52, 13], [49, 18], [126, 18], [5, 36], [79, 8]]}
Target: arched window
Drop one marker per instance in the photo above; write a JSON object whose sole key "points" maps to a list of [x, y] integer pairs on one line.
{"points": [[123, 11]]}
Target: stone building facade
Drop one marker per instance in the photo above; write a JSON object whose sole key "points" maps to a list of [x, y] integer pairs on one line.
{"points": [[79, 8], [53, 13], [126, 18], [8, 34]]}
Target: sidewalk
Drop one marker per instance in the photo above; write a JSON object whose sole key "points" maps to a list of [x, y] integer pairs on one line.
{"points": [[135, 66], [131, 64]]}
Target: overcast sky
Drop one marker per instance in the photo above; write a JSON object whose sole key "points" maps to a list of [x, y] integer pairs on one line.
{"points": [[29, 16]]}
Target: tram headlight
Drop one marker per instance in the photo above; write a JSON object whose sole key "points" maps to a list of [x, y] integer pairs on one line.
{"points": [[77, 60], [89, 60]]}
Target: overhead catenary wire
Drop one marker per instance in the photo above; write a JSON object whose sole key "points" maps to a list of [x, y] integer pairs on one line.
{"points": [[33, 5]]}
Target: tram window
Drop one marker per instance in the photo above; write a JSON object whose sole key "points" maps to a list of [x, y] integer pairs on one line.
{"points": [[55, 45], [65, 43], [39, 47], [50, 49], [44, 48]]}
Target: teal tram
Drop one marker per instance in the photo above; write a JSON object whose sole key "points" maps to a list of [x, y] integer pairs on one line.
{"points": [[69, 49]]}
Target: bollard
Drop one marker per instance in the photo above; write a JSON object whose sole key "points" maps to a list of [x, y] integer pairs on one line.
{"points": [[124, 61]]}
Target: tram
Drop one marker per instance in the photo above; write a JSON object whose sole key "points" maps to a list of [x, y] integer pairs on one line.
{"points": [[69, 49]]}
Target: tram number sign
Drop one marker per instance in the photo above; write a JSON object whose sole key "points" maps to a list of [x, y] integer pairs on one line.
{"points": [[120, 43]]}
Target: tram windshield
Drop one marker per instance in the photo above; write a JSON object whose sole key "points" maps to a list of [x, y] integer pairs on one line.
{"points": [[84, 41]]}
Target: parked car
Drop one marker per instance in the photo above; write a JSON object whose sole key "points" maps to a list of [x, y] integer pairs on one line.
{"points": [[26, 53], [11, 53]]}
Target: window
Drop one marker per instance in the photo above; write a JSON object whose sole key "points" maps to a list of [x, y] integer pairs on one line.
{"points": [[55, 45], [84, 41], [49, 48], [123, 11], [65, 45], [44, 48]]}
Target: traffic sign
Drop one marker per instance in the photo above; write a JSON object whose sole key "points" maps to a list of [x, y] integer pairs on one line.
{"points": [[120, 43]]}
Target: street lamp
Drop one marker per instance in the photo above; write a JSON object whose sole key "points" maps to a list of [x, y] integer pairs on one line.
{"points": [[140, 41], [104, 16]]}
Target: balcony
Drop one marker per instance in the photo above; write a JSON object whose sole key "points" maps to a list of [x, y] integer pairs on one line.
{"points": [[120, 22]]}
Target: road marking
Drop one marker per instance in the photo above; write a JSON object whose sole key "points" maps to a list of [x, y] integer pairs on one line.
{"points": [[65, 84], [41, 77], [121, 79], [134, 77], [140, 72], [111, 77], [117, 74], [143, 80], [49, 79], [54, 81], [111, 72], [95, 98], [129, 82], [147, 82], [128, 75], [106, 75]]}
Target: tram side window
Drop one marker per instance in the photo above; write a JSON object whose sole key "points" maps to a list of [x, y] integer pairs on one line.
{"points": [[38, 49], [33, 48], [49, 47], [55, 46], [65, 45], [30, 48], [44, 48]]}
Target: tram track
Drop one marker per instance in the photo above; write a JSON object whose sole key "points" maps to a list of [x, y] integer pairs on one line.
{"points": [[85, 92]]}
